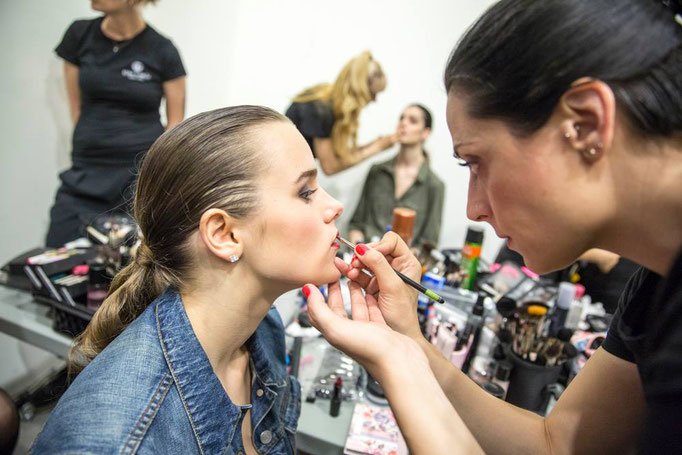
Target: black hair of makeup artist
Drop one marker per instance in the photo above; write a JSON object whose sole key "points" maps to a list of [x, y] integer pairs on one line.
{"points": [[210, 160], [519, 58]]}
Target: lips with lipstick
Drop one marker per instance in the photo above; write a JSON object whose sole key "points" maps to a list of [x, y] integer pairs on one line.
{"points": [[335, 244]]}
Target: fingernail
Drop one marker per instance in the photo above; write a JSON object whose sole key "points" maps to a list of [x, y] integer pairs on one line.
{"points": [[306, 291], [361, 249], [355, 258]]}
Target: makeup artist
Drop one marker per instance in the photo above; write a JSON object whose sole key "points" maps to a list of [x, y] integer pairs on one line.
{"points": [[409, 179], [327, 115], [567, 113], [117, 70]]}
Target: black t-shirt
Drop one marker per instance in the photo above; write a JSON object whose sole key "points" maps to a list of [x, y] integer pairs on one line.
{"points": [[121, 90], [606, 287], [313, 119], [647, 330]]}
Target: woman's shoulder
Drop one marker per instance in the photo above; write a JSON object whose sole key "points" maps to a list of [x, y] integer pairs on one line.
{"points": [[106, 400], [80, 27], [157, 37]]}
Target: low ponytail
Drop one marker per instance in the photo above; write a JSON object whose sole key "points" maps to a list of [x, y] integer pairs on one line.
{"points": [[131, 291]]}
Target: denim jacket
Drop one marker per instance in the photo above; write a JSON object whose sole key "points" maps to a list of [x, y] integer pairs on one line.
{"points": [[153, 390]]}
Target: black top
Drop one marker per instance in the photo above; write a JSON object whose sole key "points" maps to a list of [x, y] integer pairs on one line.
{"points": [[647, 330], [313, 119], [121, 90], [606, 287]]}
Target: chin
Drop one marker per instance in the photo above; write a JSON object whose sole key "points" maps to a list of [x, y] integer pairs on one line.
{"points": [[545, 265], [326, 276]]}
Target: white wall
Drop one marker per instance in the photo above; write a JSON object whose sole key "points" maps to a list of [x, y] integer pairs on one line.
{"points": [[236, 51]]}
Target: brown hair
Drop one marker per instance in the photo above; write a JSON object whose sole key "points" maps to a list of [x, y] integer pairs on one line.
{"points": [[348, 95], [207, 161]]}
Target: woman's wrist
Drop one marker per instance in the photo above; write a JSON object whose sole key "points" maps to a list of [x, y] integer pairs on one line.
{"points": [[401, 356]]}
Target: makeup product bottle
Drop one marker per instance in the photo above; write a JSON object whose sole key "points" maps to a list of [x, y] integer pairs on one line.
{"points": [[475, 321], [403, 223], [471, 252], [502, 376], [335, 404], [438, 267], [564, 298], [98, 285], [576, 308], [424, 302]]}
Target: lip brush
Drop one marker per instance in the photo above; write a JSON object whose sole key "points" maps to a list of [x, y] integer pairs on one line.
{"points": [[427, 292]]}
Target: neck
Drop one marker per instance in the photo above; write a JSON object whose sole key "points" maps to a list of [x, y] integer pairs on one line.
{"points": [[411, 155], [124, 24], [225, 311], [648, 226]]}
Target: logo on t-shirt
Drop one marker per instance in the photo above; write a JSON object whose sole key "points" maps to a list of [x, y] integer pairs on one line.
{"points": [[136, 72]]}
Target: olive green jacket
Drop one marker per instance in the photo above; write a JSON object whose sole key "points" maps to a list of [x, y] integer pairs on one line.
{"points": [[377, 201]]}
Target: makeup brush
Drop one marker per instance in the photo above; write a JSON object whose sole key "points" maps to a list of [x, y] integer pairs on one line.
{"points": [[427, 292]]}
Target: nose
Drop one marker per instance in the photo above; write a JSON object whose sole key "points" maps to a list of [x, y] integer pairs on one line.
{"points": [[332, 210], [478, 207]]}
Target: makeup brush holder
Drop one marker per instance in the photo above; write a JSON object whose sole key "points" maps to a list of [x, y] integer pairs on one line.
{"points": [[528, 382]]}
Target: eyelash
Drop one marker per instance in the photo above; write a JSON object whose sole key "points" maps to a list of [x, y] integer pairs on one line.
{"points": [[306, 193]]}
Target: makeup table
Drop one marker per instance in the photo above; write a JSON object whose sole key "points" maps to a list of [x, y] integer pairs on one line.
{"points": [[318, 433]]}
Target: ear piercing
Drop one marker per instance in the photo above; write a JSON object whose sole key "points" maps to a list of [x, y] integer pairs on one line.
{"points": [[234, 258], [567, 135], [592, 151]]}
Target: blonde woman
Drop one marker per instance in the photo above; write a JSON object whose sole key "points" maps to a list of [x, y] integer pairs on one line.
{"points": [[327, 115], [185, 355]]}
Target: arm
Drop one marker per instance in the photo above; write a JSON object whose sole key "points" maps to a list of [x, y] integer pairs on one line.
{"points": [[601, 411], [73, 91], [174, 92], [332, 164], [603, 259], [426, 419]]}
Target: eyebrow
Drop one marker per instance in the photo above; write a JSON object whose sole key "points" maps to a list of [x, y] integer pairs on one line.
{"points": [[306, 175]]}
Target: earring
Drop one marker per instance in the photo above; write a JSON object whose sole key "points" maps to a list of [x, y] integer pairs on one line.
{"points": [[234, 258]]}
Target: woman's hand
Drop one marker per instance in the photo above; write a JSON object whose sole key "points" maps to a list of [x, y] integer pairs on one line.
{"points": [[425, 416], [366, 337], [396, 300]]}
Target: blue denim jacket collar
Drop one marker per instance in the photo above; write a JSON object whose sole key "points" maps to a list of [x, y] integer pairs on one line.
{"points": [[203, 402]]}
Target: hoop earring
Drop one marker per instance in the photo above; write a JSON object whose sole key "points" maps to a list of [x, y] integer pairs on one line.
{"points": [[234, 258]]}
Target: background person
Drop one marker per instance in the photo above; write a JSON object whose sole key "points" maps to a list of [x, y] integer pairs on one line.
{"points": [[117, 70]]}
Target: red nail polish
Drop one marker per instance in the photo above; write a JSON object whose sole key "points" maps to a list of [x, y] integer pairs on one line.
{"points": [[306, 291], [361, 249], [355, 258]]}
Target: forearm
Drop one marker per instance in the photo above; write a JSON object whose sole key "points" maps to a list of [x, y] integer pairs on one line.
{"points": [[432, 426], [499, 427], [376, 146], [75, 114]]}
